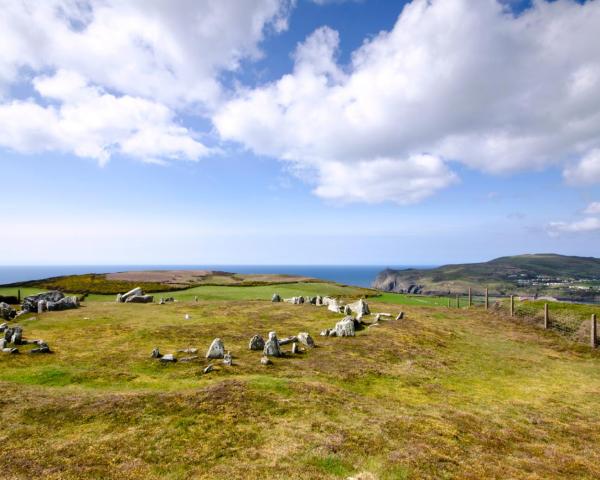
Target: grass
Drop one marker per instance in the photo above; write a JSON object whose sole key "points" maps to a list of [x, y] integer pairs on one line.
{"points": [[444, 393]]}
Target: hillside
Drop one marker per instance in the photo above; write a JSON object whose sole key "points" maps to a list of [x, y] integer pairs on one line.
{"points": [[542, 274]]}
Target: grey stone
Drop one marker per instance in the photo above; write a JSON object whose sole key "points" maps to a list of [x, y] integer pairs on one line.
{"points": [[6, 311], [169, 357], [295, 348], [161, 301], [65, 303], [256, 343], [312, 300], [285, 341], [140, 299], [272, 346], [3, 327], [325, 333], [44, 348], [276, 298], [345, 327], [132, 293], [228, 359], [209, 368], [41, 306], [119, 298], [347, 310], [333, 306], [10, 350], [3, 343], [216, 349], [400, 316], [265, 360], [305, 339], [188, 350], [30, 303], [156, 353], [17, 336], [360, 308], [189, 359]]}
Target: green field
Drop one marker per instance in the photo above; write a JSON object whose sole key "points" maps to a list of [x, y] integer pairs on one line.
{"points": [[444, 393]]}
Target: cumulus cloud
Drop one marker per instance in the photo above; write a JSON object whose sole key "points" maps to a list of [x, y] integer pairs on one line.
{"points": [[94, 124], [107, 76], [456, 80], [586, 171], [590, 224]]}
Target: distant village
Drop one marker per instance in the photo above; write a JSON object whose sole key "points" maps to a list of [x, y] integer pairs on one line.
{"points": [[544, 281]]}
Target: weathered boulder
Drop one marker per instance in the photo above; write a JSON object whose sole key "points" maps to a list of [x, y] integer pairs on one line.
{"points": [[169, 357], [305, 339], [276, 298], [256, 343], [65, 303], [8, 333], [345, 327], [360, 308], [6, 311], [272, 346], [216, 349], [30, 303], [119, 298], [140, 299], [131, 293]]}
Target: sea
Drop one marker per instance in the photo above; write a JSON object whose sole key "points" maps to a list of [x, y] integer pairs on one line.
{"points": [[357, 275]]}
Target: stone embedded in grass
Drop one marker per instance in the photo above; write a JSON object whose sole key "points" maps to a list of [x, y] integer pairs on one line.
{"points": [[188, 350], [10, 350], [140, 299], [17, 336], [285, 341], [295, 348], [156, 353], [319, 300], [256, 343], [325, 333], [305, 339], [228, 359], [169, 357], [345, 327], [360, 308], [333, 306], [264, 360], [400, 316], [216, 349], [30, 303], [272, 346], [43, 348], [189, 359], [131, 293], [276, 298], [186, 316], [208, 369]]}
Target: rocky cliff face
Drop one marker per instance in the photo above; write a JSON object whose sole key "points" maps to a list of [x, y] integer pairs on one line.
{"points": [[390, 281]]}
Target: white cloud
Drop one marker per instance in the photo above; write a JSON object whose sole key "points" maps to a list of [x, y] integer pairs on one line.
{"points": [[593, 208], [112, 76], [458, 80], [589, 224], [586, 171], [94, 124]]}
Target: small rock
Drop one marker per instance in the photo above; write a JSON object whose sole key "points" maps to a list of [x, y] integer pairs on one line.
{"points": [[161, 301], [186, 316], [208, 369], [17, 336], [216, 349], [305, 339], [400, 316], [256, 343], [6, 311], [276, 298], [119, 298], [228, 359], [169, 357], [295, 348], [345, 327], [272, 346], [189, 359], [285, 341], [44, 348], [3, 327], [265, 360], [325, 333], [377, 318], [10, 350], [156, 353], [188, 350]]}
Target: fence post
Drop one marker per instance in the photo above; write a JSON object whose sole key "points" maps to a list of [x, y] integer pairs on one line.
{"points": [[545, 315], [470, 298], [457, 301], [512, 305], [487, 300], [593, 331]]}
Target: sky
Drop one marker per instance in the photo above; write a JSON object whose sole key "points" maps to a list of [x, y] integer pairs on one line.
{"points": [[298, 132]]}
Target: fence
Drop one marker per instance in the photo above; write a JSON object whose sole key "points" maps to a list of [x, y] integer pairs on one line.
{"points": [[507, 303]]}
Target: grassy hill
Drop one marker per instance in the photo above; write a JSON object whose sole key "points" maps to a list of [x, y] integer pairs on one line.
{"points": [[558, 275], [445, 393]]}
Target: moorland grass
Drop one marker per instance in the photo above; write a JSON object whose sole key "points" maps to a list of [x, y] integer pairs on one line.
{"points": [[444, 393]]}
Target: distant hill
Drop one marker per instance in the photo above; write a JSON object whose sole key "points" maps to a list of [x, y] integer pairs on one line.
{"points": [[542, 274]]}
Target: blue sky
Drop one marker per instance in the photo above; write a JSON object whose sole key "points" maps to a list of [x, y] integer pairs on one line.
{"points": [[298, 132]]}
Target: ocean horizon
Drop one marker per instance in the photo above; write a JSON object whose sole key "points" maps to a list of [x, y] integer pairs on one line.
{"points": [[358, 275]]}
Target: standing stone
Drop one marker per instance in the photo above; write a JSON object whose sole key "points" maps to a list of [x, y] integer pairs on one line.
{"points": [[208, 369], [319, 300], [216, 349], [347, 310], [41, 306], [333, 306], [3, 327], [272, 346], [345, 327], [276, 298], [228, 359], [305, 339], [17, 336], [300, 300], [313, 300], [3, 343], [119, 298], [256, 343], [295, 348], [360, 308], [156, 353]]}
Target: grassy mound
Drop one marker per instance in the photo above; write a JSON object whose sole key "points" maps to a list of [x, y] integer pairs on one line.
{"points": [[445, 393]]}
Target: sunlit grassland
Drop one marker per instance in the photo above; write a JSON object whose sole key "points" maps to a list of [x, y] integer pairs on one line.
{"points": [[445, 393]]}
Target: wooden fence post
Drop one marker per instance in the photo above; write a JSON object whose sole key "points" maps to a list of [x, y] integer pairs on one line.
{"points": [[457, 301], [470, 298], [487, 300], [545, 315], [512, 305], [593, 331]]}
